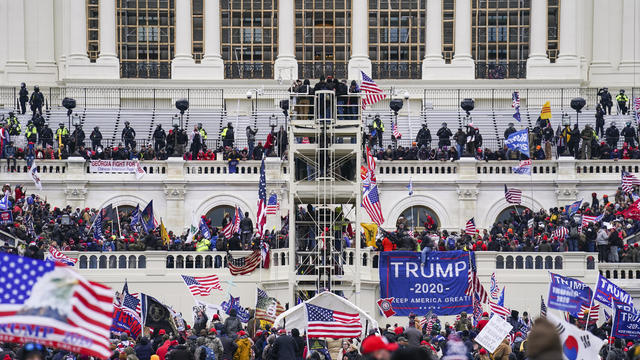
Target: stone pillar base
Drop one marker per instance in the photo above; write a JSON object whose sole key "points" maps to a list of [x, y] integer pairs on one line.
{"points": [[357, 64], [438, 70], [285, 68], [557, 71], [184, 68], [212, 68], [600, 73], [108, 67]]}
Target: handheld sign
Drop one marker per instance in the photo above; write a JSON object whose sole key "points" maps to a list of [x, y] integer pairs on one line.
{"points": [[438, 285], [493, 333]]}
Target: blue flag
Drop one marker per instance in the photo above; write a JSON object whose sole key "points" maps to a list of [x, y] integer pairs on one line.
{"points": [[516, 115], [626, 322], [234, 303], [568, 294], [410, 187], [5, 204], [501, 298], [135, 217], [606, 289], [148, 221], [97, 227], [573, 208], [519, 140], [204, 229]]}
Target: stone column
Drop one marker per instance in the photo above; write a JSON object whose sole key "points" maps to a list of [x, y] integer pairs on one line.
{"points": [[212, 59], [630, 57], [78, 32], [359, 40], [183, 66], [601, 66], [108, 58], [568, 32], [462, 60], [286, 66], [433, 61], [15, 38], [538, 33]]}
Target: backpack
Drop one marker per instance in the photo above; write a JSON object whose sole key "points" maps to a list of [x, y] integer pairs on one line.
{"points": [[207, 353]]}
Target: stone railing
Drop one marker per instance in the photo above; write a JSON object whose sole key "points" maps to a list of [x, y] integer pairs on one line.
{"points": [[621, 271]]}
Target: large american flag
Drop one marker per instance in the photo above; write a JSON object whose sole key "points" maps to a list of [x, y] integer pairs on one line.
{"points": [[628, 181], [470, 227], [57, 256], [474, 287], [587, 219], [236, 220], [394, 129], [499, 310], [326, 323], [55, 299], [273, 205], [245, 264], [372, 92], [493, 287], [261, 220], [227, 230], [560, 232], [371, 204], [202, 285], [512, 195]]}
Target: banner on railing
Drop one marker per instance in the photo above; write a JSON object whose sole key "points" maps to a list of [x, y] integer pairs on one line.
{"points": [[117, 166], [438, 284], [6, 217]]}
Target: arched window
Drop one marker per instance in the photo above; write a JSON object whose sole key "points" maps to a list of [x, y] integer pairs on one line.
{"points": [[217, 214], [142, 262], [558, 262], [548, 262], [509, 262], [538, 262], [507, 213], [519, 262], [122, 262], [591, 263], [83, 262], [499, 262], [102, 265], [132, 262], [528, 262], [417, 216]]}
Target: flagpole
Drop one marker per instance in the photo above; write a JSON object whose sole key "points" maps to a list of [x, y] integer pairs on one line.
{"points": [[613, 321], [118, 218], [589, 313], [255, 313]]}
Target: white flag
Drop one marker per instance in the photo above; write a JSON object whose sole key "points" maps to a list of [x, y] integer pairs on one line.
{"points": [[576, 344], [139, 171], [193, 228], [35, 177]]}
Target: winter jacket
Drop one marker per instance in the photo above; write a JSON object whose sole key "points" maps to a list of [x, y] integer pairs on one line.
{"points": [[244, 349], [232, 325], [502, 351], [180, 352], [285, 348], [144, 350], [229, 347]]}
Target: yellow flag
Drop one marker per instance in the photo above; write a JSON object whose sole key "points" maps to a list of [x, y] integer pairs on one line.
{"points": [[163, 234], [546, 111], [370, 233]]}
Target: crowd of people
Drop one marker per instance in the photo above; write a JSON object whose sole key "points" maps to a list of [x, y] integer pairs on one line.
{"points": [[420, 339]]}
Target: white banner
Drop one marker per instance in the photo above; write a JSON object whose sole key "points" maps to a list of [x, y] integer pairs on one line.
{"points": [[117, 166], [493, 333]]}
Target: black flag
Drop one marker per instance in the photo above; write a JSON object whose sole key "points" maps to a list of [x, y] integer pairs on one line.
{"points": [[156, 315]]}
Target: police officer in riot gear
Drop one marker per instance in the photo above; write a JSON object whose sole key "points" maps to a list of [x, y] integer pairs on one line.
{"points": [[612, 135], [605, 100], [128, 136], [36, 101], [46, 136], [23, 97], [424, 136], [96, 138], [629, 134], [622, 100], [378, 126], [159, 138], [444, 136]]}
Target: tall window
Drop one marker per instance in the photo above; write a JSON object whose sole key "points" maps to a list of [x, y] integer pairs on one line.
{"points": [[500, 38], [93, 34], [323, 36], [396, 38], [249, 38], [145, 37], [448, 29], [553, 26], [197, 27]]}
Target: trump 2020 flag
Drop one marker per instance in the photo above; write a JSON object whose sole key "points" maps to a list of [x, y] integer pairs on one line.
{"points": [[606, 289], [50, 304], [627, 321], [568, 294], [519, 140], [576, 344], [57, 256]]}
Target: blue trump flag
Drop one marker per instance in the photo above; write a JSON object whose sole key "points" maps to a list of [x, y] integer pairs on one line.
{"points": [[204, 229], [519, 140], [573, 208], [148, 221], [567, 294], [234, 303], [626, 322], [605, 290], [438, 285]]}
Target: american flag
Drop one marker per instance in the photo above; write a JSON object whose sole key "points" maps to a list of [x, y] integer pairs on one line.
{"points": [[512, 195], [305, 140], [591, 313], [543, 307], [56, 255], [628, 181], [426, 319], [499, 310], [201, 285], [371, 204], [607, 317], [273, 205], [262, 201], [236, 220], [470, 228], [245, 264], [587, 219], [477, 310], [394, 129], [515, 97], [560, 232], [371, 162], [493, 287], [55, 299], [138, 296], [372, 92], [227, 230], [131, 302], [327, 323], [430, 325], [474, 287], [267, 308], [636, 106]]}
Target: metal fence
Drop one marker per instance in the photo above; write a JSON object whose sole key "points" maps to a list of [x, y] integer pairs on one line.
{"points": [[505, 70], [317, 69], [145, 70], [248, 70], [397, 70]]}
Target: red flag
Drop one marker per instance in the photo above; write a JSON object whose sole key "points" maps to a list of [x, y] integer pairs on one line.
{"points": [[633, 212], [386, 307]]}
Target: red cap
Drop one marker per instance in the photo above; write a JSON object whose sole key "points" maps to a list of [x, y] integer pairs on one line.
{"points": [[282, 331], [216, 317], [161, 332], [399, 330], [483, 351], [375, 343], [241, 333], [213, 331], [630, 344]]}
